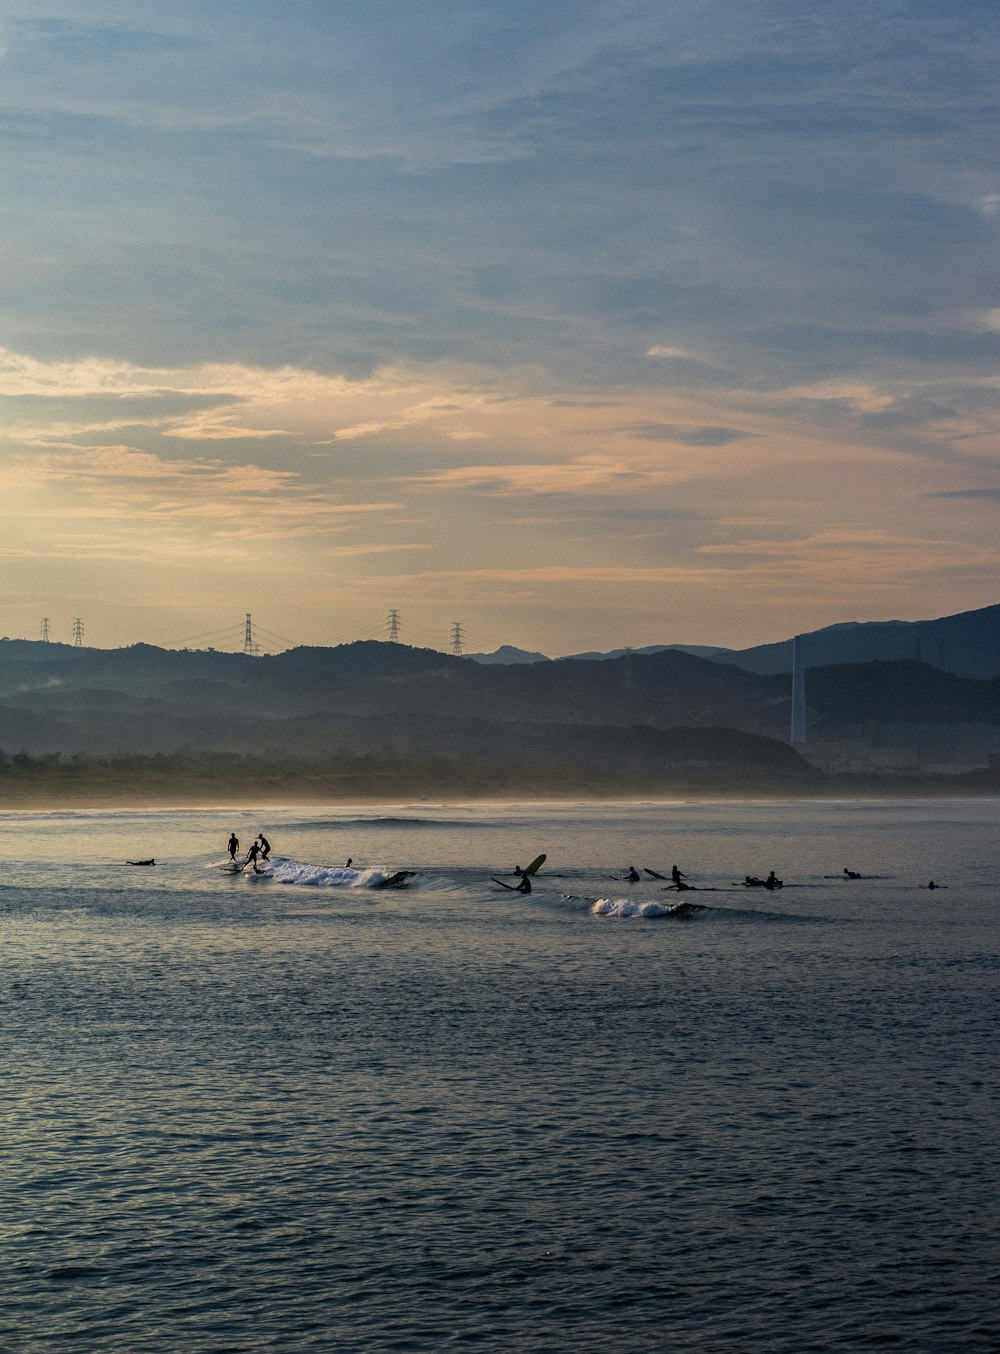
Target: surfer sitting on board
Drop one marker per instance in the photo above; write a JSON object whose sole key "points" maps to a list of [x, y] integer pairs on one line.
{"points": [[772, 881], [633, 874], [676, 875]]}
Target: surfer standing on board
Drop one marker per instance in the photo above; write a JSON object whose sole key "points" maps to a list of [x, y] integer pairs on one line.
{"points": [[265, 847]]}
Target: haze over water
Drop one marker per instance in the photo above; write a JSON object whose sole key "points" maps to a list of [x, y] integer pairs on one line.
{"points": [[244, 1115]]}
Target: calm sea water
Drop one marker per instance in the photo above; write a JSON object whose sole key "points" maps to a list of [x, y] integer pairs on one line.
{"points": [[245, 1115]]}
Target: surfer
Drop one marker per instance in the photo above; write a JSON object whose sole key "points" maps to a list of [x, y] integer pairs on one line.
{"points": [[851, 874], [676, 875], [633, 874], [265, 847], [348, 864], [234, 845], [932, 885], [518, 870], [252, 855], [772, 881], [525, 885], [752, 882]]}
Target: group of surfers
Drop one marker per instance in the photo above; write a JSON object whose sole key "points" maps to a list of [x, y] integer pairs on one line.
{"points": [[260, 849]]}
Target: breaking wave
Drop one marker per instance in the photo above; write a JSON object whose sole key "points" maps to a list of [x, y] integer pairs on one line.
{"points": [[625, 907], [326, 876]]}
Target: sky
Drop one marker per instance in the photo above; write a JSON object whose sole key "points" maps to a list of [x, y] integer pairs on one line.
{"points": [[573, 323]]}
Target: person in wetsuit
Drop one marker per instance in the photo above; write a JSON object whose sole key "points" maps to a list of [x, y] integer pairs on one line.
{"points": [[234, 845], [265, 847]]}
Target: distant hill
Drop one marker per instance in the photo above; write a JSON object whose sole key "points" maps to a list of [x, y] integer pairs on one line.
{"points": [[507, 654], [640, 725], [699, 650], [575, 722], [967, 644]]}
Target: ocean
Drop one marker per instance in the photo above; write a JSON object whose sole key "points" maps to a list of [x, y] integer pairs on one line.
{"points": [[299, 1111]]}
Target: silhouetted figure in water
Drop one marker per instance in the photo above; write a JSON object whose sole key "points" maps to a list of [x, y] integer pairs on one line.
{"points": [[234, 845], [633, 874], [851, 874], [252, 855], [932, 885], [348, 865], [524, 886], [772, 881], [518, 870], [265, 847], [676, 875]]}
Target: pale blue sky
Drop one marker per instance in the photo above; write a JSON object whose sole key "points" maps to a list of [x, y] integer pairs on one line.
{"points": [[584, 324]]}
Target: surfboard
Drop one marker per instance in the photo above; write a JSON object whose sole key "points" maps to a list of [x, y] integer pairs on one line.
{"points": [[654, 873], [514, 888], [533, 867]]}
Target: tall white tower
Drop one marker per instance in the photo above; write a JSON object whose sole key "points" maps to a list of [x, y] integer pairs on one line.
{"points": [[798, 693]]}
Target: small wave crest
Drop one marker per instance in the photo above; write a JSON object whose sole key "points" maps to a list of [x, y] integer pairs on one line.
{"points": [[327, 876], [626, 907]]}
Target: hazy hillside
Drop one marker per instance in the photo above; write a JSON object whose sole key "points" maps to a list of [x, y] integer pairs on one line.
{"points": [[638, 717], [967, 644]]}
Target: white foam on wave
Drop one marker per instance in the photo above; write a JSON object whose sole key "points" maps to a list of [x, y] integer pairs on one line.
{"points": [[626, 907], [325, 876]]}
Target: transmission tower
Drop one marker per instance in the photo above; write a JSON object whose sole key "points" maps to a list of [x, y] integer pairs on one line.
{"points": [[45, 629], [456, 639], [799, 720], [78, 633], [393, 627], [249, 646]]}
